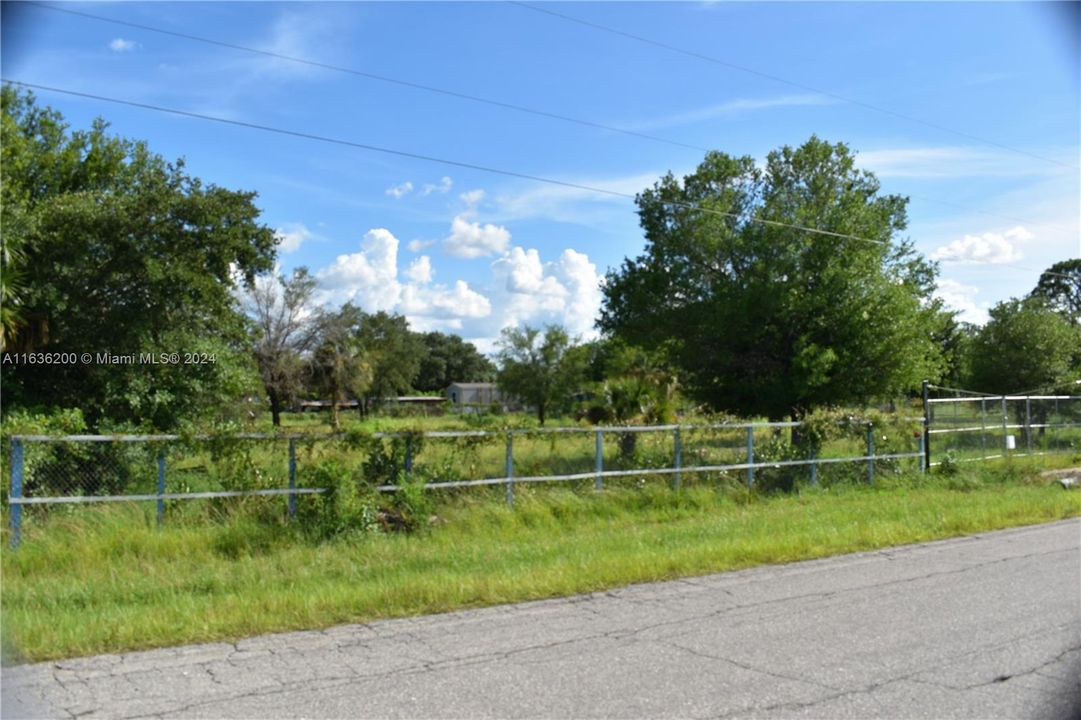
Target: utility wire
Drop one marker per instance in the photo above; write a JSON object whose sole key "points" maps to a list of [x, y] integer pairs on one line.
{"points": [[433, 159], [373, 76], [457, 163], [988, 265], [985, 212], [959, 390], [1056, 386], [775, 78], [440, 91]]}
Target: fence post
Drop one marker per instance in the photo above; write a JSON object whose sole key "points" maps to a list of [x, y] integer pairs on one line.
{"points": [[677, 481], [923, 456], [408, 456], [598, 483], [510, 469], [926, 444], [161, 486], [750, 455], [292, 477], [16, 509], [1005, 428], [870, 454], [1028, 424], [814, 466], [983, 426]]}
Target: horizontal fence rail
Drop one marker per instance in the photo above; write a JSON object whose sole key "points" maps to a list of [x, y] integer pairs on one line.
{"points": [[84, 469]]}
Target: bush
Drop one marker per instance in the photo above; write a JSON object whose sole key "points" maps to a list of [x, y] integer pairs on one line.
{"points": [[410, 509], [782, 478], [341, 508]]}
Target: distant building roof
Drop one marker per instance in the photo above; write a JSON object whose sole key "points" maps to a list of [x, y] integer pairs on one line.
{"points": [[472, 386]]}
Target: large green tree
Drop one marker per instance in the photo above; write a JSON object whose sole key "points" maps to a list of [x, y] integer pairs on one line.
{"points": [[767, 319], [1060, 287], [539, 368], [120, 252], [339, 367], [450, 359], [1025, 346], [394, 352]]}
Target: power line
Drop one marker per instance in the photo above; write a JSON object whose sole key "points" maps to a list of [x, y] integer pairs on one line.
{"points": [[374, 76], [775, 78], [986, 212], [473, 166], [988, 265], [441, 91], [433, 159]]}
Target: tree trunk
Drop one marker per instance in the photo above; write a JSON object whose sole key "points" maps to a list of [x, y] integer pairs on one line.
{"points": [[275, 408], [797, 431], [540, 413]]}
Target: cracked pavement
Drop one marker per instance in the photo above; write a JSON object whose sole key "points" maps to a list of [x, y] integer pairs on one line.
{"points": [[985, 626]]}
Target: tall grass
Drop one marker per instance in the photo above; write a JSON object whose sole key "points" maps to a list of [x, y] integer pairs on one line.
{"points": [[105, 579]]}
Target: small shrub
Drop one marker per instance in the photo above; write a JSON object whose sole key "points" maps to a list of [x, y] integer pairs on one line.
{"points": [[341, 508], [781, 478], [949, 465], [410, 509]]}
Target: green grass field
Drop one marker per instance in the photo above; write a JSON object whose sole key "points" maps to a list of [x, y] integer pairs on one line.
{"points": [[103, 579]]}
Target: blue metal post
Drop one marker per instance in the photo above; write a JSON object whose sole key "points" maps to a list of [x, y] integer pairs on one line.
{"points": [[510, 469], [814, 467], [292, 477], [923, 458], [870, 454], [676, 479], [16, 514], [599, 482], [750, 456], [161, 487]]}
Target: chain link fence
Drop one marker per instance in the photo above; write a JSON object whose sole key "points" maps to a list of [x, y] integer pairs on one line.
{"points": [[964, 426], [270, 472]]}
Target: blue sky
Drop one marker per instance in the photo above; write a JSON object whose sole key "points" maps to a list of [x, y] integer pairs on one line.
{"points": [[469, 252]]}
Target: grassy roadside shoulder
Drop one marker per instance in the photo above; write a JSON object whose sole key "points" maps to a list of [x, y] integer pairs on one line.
{"points": [[107, 581]]}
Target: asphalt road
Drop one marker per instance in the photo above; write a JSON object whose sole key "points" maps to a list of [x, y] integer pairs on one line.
{"points": [[978, 627]]}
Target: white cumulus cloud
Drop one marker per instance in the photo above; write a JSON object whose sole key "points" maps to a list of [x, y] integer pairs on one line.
{"points": [[472, 197], [961, 297], [420, 270], [566, 291], [444, 186], [122, 45], [522, 288], [472, 240], [418, 244], [459, 301], [290, 236], [368, 278], [399, 191], [988, 247]]}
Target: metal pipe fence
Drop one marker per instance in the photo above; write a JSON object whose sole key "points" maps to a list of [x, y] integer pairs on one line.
{"points": [[968, 427], [77, 469]]}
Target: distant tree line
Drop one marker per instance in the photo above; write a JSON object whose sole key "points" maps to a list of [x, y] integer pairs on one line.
{"points": [[347, 354]]}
